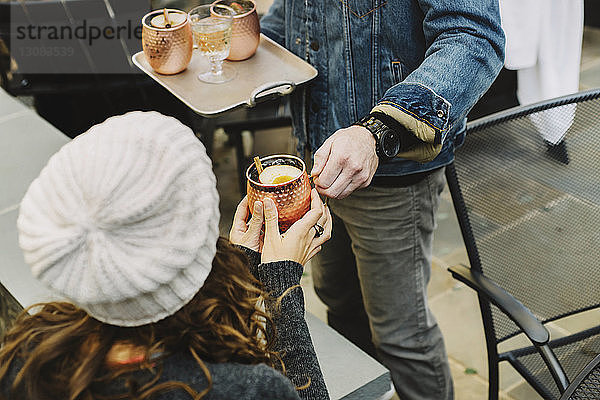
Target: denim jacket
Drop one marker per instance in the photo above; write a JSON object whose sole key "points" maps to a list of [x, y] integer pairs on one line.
{"points": [[424, 62]]}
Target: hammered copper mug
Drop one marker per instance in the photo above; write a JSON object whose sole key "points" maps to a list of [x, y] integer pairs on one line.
{"points": [[245, 31], [168, 49], [291, 198]]}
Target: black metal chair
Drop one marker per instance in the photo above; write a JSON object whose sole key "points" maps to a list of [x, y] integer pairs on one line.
{"points": [[586, 384], [528, 203]]}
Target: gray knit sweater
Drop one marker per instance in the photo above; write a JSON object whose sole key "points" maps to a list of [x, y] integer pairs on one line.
{"points": [[249, 382]]}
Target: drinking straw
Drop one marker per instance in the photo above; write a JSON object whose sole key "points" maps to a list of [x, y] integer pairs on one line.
{"points": [[166, 15], [259, 167]]}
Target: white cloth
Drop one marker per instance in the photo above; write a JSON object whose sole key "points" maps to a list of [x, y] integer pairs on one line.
{"points": [[543, 43], [124, 219]]}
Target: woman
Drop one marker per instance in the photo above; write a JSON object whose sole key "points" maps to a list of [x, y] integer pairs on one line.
{"points": [[123, 222]]}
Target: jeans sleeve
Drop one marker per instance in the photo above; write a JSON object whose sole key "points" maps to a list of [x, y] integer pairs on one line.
{"points": [[465, 52], [272, 24]]}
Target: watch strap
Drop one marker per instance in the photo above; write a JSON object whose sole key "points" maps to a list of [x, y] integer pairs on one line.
{"points": [[372, 123], [407, 139], [375, 126]]}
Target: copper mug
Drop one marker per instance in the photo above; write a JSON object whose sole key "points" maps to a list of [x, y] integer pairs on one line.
{"points": [[291, 198], [168, 49], [245, 31]]}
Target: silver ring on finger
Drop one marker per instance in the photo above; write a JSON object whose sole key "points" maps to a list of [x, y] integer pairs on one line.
{"points": [[319, 230]]}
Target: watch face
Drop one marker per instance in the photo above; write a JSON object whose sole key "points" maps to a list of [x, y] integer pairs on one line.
{"points": [[390, 143]]}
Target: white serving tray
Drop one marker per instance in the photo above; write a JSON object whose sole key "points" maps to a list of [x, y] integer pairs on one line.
{"points": [[273, 70]]}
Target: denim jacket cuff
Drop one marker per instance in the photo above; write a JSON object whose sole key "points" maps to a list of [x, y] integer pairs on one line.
{"points": [[419, 109], [424, 152]]}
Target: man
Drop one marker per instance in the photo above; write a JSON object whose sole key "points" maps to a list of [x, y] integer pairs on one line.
{"points": [[396, 80]]}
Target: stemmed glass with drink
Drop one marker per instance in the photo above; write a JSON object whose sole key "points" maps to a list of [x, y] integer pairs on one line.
{"points": [[211, 26]]}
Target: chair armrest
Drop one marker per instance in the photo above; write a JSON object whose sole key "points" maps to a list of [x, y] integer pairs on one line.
{"points": [[513, 308]]}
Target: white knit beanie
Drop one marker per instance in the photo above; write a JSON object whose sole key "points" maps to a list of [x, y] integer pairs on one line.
{"points": [[124, 219]]}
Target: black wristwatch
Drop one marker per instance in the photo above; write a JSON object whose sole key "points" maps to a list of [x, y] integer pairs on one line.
{"points": [[387, 141]]}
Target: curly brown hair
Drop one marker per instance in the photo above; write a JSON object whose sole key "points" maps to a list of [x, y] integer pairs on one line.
{"points": [[64, 350]]}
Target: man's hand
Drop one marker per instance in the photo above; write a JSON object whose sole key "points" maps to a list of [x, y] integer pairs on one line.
{"points": [[345, 162]]}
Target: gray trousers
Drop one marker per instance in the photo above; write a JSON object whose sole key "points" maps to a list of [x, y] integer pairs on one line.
{"points": [[373, 274]]}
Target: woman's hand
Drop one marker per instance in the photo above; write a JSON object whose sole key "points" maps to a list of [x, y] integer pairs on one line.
{"points": [[299, 243], [247, 234]]}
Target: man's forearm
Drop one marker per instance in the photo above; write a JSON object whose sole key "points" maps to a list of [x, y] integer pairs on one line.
{"points": [[464, 57]]}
